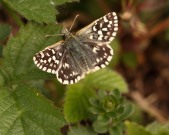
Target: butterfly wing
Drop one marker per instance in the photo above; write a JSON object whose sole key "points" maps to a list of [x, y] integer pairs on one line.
{"points": [[49, 59], [98, 35], [103, 54], [70, 71], [91, 53], [58, 60], [103, 30]]}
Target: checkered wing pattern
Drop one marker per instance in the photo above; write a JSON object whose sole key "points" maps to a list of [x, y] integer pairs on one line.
{"points": [[102, 30], [70, 71], [49, 59], [103, 55], [98, 35], [86, 51]]}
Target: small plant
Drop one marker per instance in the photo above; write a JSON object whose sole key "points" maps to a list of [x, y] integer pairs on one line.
{"points": [[111, 110]]}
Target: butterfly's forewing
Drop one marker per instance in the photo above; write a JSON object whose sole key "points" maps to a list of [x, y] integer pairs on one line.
{"points": [[49, 59], [98, 35], [102, 30]]}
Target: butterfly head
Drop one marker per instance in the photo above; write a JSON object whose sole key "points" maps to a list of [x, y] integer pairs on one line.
{"points": [[66, 33]]}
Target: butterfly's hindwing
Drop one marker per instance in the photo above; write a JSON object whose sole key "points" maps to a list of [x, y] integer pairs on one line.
{"points": [[103, 54], [70, 70]]}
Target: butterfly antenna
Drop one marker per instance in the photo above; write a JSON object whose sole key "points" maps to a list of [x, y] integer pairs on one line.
{"points": [[73, 22], [54, 35]]}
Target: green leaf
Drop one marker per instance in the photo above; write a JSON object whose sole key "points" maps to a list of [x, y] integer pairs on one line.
{"points": [[77, 102], [81, 131], [106, 79], [128, 110], [100, 126], [60, 2], [134, 129], [5, 30], [23, 111], [116, 53], [19, 52], [2, 79], [37, 10], [115, 131], [158, 129]]}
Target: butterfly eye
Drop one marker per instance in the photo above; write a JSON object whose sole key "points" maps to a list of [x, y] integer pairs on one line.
{"points": [[64, 37]]}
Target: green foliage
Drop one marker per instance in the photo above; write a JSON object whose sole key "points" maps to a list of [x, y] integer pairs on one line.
{"points": [[4, 31], [37, 10], [81, 131], [76, 102], [24, 111], [77, 95], [158, 129], [111, 109], [154, 128], [19, 52], [106, 79], [134, 129]]}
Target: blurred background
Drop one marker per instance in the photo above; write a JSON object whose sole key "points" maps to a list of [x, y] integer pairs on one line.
{"points": [[141, 46]]}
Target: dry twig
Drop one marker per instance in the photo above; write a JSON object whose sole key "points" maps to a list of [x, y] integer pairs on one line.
{"points": [[145, 105]]}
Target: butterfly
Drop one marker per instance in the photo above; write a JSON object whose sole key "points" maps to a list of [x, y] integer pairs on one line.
{"points": [[81, 53]]}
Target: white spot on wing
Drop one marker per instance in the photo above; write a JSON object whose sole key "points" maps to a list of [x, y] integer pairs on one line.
{"points": [[57, 62], [38, 65], [95, 49], [35, 61], [115, 21], [110, 22], [106, 63], [49, 60], [114, 14], [94, 28], [109, 58], [53, 71], [115, 17], [78, 78], [97, 60], [44, 68], [97, 68], [114, 34], [100, 37], [116, 24], [102, 65], [105, 19], [49, 70], [115, 28], [66, 82], [104, 29], [71, 81], [100, 32], [91, 36]]}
